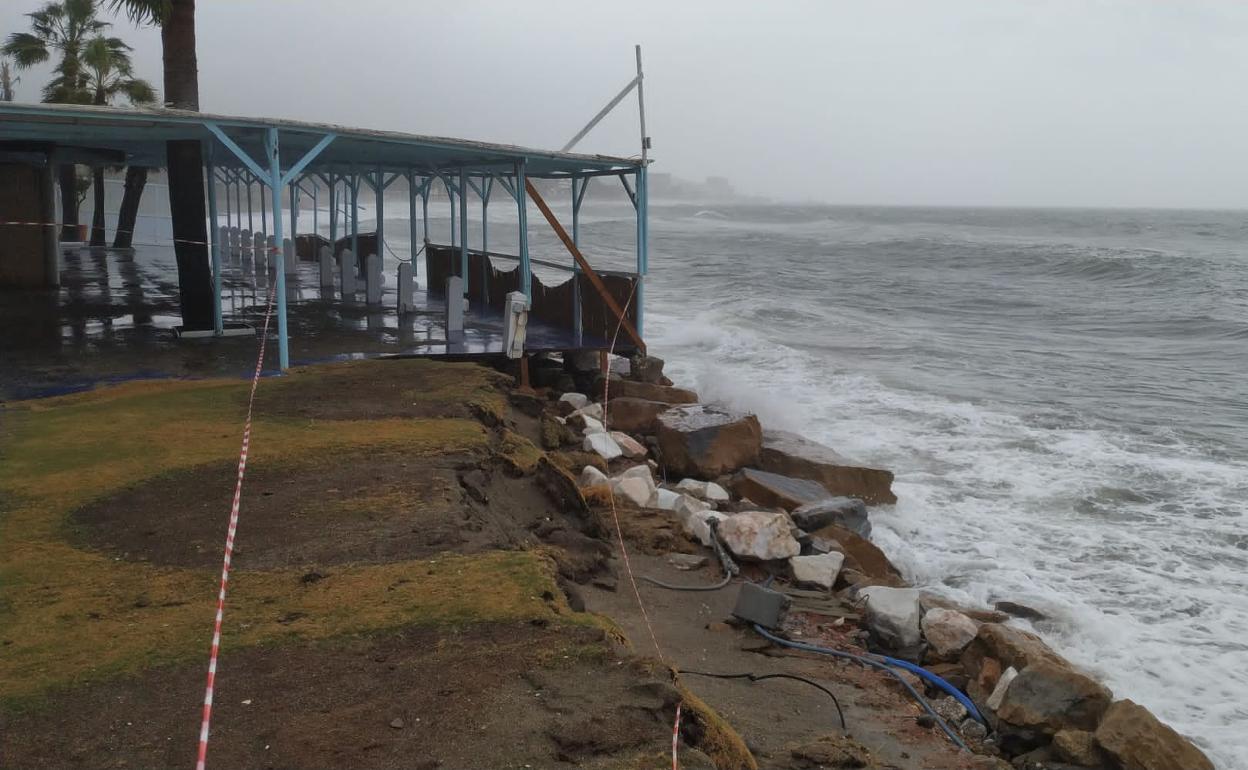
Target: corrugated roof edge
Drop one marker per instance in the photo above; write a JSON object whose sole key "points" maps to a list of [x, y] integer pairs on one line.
{"points": [[88, 112]]}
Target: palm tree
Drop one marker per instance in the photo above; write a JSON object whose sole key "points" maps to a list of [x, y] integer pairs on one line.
{"points": [[184, 159], [108, 73], [6, 81], [62, 27]]}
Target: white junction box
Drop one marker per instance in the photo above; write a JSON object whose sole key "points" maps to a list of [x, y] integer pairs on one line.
{"points": [[517, 310]]}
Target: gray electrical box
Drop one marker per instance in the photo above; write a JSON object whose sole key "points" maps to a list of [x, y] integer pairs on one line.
{"points": [[756, 604]]}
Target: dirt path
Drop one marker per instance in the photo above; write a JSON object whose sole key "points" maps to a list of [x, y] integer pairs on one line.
{"points": [[774, 717]]}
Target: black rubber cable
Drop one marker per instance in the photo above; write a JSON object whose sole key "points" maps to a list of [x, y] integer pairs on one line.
{"points": [[725, 560], [672, 587], [760, 677]]}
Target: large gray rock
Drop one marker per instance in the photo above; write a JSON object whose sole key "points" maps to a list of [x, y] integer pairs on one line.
{"points": [[645, 368], [948, 632], [776, 491], [892, 617], [847, 512], [759, 535], [1137, 740], [1047, 697], [817, 572], [707, 441], [793, 455]]}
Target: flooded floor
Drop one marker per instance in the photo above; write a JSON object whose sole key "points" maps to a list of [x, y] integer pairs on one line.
{"points": [[112, 319]]}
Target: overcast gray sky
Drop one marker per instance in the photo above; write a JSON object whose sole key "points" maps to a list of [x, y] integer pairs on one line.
{"points": [[1079, 103]]}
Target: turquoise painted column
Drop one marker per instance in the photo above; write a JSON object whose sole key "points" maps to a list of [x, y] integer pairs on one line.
{"points": [[411, 219], [333, 213], [294, 212], [214, 238], [522, 206], [264, 213], [643, 255], [381, 215], [463, 227], [355, 218], [487, 186], [424, 206], [577, 196], [225, 187], [273, 149]]}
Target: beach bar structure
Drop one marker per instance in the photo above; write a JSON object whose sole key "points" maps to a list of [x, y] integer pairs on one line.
{"points": [[283, 160]]}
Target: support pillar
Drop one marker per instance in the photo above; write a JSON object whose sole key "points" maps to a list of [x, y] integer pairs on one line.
{"points": [[380, 189], [522, 205], [214, 235], [411, 217], [273, 149], [463, 227], [333, 212], [643, 250], [355, 217]]}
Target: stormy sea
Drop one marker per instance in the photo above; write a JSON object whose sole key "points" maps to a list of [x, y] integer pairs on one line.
{"points": [[1063, 395]]}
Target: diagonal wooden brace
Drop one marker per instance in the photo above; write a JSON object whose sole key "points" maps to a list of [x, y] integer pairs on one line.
{"points": [[585, 267]]}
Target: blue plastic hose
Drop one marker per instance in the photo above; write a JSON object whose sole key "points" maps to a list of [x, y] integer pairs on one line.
{"points": [[941, 683], [874, 664]]}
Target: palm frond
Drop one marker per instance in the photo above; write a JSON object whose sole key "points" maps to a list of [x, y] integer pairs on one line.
{"points": [[26, 50]]}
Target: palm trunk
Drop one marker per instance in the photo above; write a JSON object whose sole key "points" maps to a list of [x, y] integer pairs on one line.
{"points": [[69, 202], [186, 169], [128, 214], [98, 236]]}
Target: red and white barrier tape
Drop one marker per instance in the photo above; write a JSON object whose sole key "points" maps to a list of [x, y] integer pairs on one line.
{"points": [[229, 543], [619, 533], [676, 738]]}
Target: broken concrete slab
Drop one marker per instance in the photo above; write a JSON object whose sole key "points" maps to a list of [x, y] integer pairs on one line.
{"points": [[892, 617], [793, 455], [847, 512], [775, 490]]}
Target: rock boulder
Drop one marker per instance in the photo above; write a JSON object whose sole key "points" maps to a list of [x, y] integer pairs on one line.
{"points": [[1048, 697], [847, 512], [793, 455], [631, 448], [703, 490], [645, 368], [1009, 646], [603, 445], [948, 632], [892, 617], [774, 490], [635, 415], [862, 555], [817, 572], [707, 441], [758, 535], [591, 477], [1137, 740], [620, 388]]}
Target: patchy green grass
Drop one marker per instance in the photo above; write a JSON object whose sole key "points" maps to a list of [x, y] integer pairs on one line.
{"points": [[69, 615]]}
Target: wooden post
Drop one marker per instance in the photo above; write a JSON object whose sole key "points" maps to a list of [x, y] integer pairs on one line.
{"points": [[584, 265]]}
